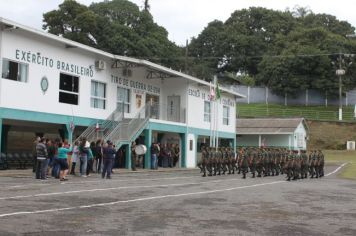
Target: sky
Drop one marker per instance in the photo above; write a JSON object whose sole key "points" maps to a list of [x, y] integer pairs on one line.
{"points": [[183, 19]]}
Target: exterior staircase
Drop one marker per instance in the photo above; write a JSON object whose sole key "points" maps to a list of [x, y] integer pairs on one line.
{"points": [[118, 129]]}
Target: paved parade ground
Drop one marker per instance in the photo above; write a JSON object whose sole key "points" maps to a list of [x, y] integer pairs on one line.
{"points": [[178, 203]]}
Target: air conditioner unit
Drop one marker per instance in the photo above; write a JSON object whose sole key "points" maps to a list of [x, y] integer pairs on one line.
{"points": [[126, 72], [100, 65]]}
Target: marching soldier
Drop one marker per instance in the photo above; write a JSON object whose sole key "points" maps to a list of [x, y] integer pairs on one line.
{"points": [[321, 163], [232, 161], [218, 158], [296, 166], [313, 164], [225, 158], [304, 164], [204, 160], [253, 162], [243, 163]]}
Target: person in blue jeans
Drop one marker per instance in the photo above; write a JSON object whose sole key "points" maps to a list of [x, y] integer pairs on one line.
{"points": [[154, 154], [108, 159], [83, 156]]}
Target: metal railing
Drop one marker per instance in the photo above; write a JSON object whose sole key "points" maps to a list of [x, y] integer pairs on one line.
{"points": [[127, 130], [246, 112], [104, 129], [118, 129]]}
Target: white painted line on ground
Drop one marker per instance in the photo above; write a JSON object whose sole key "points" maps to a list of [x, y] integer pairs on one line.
{"points": [[337, 169], [136, 200], [114, 188]]}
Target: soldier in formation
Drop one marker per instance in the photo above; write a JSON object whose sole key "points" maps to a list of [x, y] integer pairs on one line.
{"points": [[262, 162]]}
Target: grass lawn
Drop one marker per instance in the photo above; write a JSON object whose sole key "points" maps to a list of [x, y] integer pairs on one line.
{"points": [[349, 171], [309, 112]]}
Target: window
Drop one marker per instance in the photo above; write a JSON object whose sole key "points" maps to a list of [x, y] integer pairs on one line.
{"points": [[123, 99], [207, 111], [226, 115], [14, 71], [68, 89], [98, 95]]}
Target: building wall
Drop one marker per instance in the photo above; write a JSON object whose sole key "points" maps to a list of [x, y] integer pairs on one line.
{"points": [[247, 140], [299, 138], [196, 98], [32, 50], [275, 140]]}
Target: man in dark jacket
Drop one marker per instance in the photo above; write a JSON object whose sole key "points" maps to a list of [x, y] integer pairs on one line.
{"points": [[41, 153], [108, 158]]}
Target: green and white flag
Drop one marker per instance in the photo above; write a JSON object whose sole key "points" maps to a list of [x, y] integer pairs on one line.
{"points": [[217, 91]]}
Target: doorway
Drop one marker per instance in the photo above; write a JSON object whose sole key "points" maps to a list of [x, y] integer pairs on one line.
{"points": [[173, 108], [153, 102]]}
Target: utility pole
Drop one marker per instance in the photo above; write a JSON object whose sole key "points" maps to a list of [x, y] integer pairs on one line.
{"points": [[340, 72]]}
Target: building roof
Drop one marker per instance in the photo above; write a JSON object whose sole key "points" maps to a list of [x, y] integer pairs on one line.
{"points": [[72, 44], [269, 125]]}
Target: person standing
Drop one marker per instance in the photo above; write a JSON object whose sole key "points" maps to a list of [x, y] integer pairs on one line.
{"points": [[34, 153], [83, 156], [51, 152], [74, 157], [98, 156], [41, 154], [133, 156], [108, 159], [176, 154], [154, 153], [63, 160]]}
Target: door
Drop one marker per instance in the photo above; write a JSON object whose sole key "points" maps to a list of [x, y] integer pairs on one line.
{"points": [[153, 102], [173, 108]]}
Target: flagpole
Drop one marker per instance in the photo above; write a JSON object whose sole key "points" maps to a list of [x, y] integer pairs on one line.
{"points": [[210, 118], [217, 125]]}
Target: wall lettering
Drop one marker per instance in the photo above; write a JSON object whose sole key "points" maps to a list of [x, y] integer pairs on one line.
{"points": [[38, 59]]}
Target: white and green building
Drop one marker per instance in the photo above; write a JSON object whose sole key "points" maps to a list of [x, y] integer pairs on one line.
{"points": [[50, 85], [291, 133]]}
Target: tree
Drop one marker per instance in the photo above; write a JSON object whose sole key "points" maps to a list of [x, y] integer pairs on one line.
{"points": [[73, 21], [116, 26]]}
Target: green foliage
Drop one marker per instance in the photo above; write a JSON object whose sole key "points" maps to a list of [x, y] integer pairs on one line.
{"points": [[116, 26], [286, 51]]}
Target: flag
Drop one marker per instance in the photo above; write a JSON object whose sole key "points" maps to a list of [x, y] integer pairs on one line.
{"points": [[97, 127], [218, 94], [212, 94]]}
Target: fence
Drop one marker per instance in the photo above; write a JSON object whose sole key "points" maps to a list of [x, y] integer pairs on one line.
{"points": [[247, 112], [305, 97]]}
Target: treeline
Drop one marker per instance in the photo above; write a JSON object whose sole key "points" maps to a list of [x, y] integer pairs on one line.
{"points": [[284, 50]]}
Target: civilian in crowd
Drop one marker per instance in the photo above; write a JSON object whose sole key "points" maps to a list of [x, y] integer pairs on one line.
{"points": [[51, 152], [90, 158], [133, 156], [155, 150], [108, 158], [176, 154], [83, 156], [63, 160], [42, 155], [74, 157], [34, 153], [98, 156]]}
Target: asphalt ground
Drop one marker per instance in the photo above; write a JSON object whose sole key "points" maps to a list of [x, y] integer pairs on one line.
{"points": [[178, 203]]}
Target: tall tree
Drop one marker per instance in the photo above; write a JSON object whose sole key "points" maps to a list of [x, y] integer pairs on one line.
{"points": [[116, 26], [73, 21]]}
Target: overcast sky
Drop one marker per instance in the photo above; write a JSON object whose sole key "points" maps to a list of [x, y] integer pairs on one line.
{"points": [[183, 19]]}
